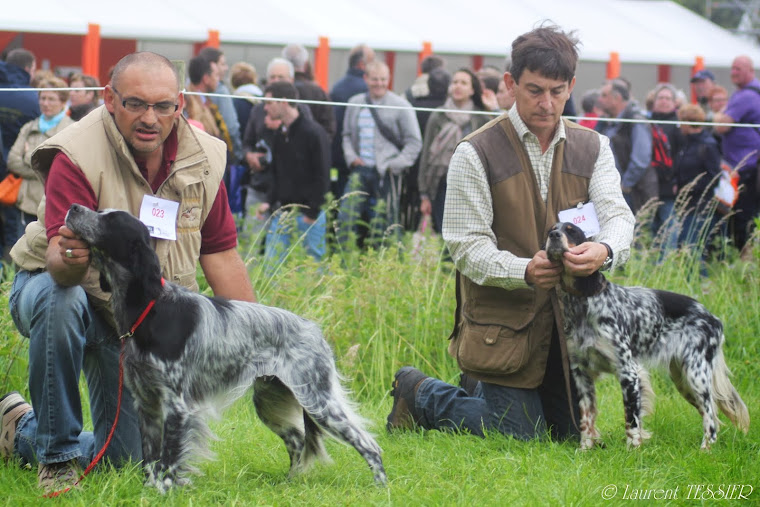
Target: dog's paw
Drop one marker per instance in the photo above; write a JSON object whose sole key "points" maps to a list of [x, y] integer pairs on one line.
{"points": [[182, 482], [591, 439], [634, 437], [707, 443], [589, 443]]}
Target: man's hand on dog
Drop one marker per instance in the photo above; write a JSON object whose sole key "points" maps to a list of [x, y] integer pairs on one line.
{"points": [[80, 250], [543, 273], [584, 259], [67, 270], [581, 260]]}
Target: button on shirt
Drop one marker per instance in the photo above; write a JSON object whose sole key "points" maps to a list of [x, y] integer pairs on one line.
{"points": [[468, 215]]}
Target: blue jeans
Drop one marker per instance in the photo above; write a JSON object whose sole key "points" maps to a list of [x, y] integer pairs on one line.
{"points": [[281, 232], [67, 336], [370, 215], [522, 413]]}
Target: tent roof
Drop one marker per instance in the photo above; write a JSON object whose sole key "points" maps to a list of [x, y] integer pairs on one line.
{"points": [[642, 31]]}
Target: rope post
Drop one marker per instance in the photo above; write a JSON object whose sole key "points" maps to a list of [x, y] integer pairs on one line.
{"points": [[322, 63], [91, 50], [427, 50], [613, 65], [699, 64]]}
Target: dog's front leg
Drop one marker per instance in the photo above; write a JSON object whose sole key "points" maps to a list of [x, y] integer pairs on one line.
{"points": [[174, 447], [630, 383], [584, 383], [151, 431]]}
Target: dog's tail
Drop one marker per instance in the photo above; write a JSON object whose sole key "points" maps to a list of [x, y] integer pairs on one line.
{"points": [[726, 397]]}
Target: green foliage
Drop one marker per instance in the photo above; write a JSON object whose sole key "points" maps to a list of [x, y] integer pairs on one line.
{"points": [[385, 308], [725, 14]]}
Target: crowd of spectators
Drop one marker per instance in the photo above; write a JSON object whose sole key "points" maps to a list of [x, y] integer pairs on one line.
{"points": [[400, 162], [664, 154]]}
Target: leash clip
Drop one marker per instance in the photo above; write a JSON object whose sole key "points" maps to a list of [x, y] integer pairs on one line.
{"points": [[126, 335]]}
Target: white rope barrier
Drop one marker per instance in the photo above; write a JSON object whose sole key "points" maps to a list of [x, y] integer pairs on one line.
{"points": [[429, 109]]}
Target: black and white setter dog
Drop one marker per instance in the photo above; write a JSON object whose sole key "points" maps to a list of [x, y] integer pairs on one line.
{"points": [[192, 355], [613, 329]]}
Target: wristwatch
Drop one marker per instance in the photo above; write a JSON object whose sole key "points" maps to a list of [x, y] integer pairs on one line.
{"points": [[607, 264]]}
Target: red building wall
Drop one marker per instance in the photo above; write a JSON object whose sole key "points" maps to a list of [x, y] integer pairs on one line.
{"points": [[66, 50]]}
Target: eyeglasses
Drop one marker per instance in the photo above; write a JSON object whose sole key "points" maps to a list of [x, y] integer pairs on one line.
{"points": [[138, 106]]}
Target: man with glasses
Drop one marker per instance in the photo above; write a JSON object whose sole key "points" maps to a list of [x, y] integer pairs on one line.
{"points": [[136, 153]]}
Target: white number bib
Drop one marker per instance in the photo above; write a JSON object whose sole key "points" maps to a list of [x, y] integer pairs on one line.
{"points": [[584, 216], [160, 216]]}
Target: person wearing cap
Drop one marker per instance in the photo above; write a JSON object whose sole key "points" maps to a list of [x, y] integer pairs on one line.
{"points": [[703, 81]]}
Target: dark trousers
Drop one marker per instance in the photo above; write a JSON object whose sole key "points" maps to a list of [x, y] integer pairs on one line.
{"points": [[372, 213], [522, 413], [746, 209]]}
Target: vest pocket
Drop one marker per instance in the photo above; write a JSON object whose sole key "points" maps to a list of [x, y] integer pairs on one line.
{"points": [[187, 280], [493, 349]]}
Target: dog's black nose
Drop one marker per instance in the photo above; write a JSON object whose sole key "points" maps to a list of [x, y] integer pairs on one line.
{"points": [[75, 208], [554, 233]]}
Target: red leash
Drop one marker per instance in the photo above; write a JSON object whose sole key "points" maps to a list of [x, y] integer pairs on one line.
{"points": [[102, 451]]}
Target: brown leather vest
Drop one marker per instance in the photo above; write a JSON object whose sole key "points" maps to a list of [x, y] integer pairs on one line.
{"points": [[502, 336]]}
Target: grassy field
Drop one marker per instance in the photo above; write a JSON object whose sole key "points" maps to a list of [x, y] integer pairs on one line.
{"points": [[391, 307]]}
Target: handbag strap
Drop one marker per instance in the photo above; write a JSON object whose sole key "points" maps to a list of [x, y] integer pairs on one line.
{"points": [[386, 132]]}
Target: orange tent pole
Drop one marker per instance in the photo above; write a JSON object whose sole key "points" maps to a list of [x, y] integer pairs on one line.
{"points": [[91, 50], [322, 62], [613, 65], [427, 50], [699, 64], [213, 39]]}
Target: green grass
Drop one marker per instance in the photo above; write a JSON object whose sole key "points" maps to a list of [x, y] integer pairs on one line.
{"points": [[387, 308]]}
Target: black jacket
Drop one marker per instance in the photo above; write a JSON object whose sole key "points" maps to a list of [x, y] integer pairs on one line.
{"points": [[300, 159], [699, 156]]}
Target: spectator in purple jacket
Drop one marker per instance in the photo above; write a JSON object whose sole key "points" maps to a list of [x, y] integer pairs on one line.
{"points": [[741, 144]]}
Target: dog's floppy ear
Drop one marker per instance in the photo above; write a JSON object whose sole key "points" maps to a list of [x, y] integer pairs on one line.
{"points": [[144, 261], [104, 285]]}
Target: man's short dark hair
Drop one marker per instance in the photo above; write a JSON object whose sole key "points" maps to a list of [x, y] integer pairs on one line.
{"points": [[589, 100], [431, 62], [282, 90], [546, 50], [20, 57], [198, 67], [210, 54], [490, 82]]}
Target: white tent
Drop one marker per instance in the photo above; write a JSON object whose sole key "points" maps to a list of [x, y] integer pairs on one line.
{"points": [[640, 31]]}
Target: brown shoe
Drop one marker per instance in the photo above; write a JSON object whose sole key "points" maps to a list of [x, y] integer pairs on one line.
{"points": [[405, 384], [12, 406], [52, 477]]}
